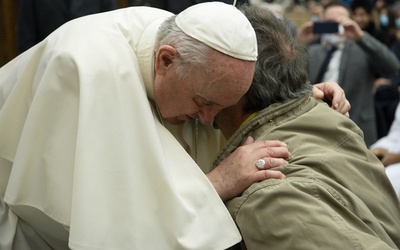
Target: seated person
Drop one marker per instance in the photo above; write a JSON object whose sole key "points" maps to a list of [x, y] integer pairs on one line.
{"points": [[336, 194], [387, 149]]}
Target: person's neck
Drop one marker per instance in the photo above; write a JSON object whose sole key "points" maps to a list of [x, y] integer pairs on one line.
{"points": [[230, 126]]}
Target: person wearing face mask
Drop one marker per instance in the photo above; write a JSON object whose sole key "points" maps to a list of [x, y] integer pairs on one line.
{"points": [[385, 91], [395, 10], [395, 39], [356, 58], [384, 20], [363, 14]]}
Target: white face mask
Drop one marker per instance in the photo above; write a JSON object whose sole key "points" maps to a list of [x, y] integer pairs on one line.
{"points": [[384, 20], [332, 39]]}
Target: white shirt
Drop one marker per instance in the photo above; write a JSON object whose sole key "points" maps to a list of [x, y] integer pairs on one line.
{"points": [[332, 72]]}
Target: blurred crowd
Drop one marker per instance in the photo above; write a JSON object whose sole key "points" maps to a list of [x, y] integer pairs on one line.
{"points": [[363, 57]]}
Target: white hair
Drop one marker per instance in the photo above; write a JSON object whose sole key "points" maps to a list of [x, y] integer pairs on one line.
{"points": [[192, 53]]}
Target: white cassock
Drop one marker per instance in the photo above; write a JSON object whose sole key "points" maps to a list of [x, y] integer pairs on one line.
{"points": [[391, 142], [84, 161], [201, 141]]}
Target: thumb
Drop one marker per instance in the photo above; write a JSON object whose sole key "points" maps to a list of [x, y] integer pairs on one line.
{"points": [[317, 93], [248, 141]]}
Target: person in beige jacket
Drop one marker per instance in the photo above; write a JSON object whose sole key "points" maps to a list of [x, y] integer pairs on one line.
{"points": [[335, 194]]}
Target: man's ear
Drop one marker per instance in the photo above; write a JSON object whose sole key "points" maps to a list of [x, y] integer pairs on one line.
{"points": [[165, 57]]}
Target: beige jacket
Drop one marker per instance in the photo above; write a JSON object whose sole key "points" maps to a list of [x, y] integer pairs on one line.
{"points": [[335, 195]]}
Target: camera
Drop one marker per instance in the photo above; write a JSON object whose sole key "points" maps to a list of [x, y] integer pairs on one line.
{"points": [[325, 27]]}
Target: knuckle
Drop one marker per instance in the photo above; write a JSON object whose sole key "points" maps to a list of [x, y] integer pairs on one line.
{"points": [[270, 151], [270, 162], [267, 174]]}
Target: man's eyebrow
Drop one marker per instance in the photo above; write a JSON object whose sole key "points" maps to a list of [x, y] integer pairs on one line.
{"points": [[205, 101]]}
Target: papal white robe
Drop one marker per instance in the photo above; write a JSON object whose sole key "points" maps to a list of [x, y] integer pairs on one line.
{"points": [[84, 161]]}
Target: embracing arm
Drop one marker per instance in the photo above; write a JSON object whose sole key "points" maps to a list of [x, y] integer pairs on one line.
{"points": [[238, 171], [333, 94]]}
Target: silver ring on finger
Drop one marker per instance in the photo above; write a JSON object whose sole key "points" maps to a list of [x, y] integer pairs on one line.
{"points": [[260, 164]]}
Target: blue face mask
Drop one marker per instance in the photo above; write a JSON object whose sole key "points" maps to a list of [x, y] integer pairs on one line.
{"points": [[384, 20], [397, 22]]}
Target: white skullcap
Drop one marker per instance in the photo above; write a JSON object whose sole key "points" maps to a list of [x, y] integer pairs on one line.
{"points": [[222, 27]]}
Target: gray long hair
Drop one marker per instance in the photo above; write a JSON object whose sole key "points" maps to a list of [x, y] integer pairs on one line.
{"points": [[282, 65], [192, 53]]}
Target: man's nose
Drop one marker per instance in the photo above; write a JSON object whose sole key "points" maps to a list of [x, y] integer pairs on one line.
{"points": [[207, 116]]}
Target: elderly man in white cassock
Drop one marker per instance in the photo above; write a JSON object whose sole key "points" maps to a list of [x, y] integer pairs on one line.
{"points": [[86, 161]]}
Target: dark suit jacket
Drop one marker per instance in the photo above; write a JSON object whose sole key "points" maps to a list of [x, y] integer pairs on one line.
{"points": [[38, 18], [359, 64]]}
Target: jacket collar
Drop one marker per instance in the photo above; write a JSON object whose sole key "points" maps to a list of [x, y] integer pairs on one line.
{"points": [[268, 117]]}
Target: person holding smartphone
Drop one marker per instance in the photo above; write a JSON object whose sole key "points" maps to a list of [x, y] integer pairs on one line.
{"points": [[351, 57]]}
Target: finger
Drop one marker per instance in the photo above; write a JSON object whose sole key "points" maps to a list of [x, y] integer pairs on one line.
{"points": [[270, 148], [276, 152], [338, 100], [271, 162], [337, 97], [248, 141], [343, 106], [271, 143], [376, 151], [263, 149], [379, 151], [347, 107], [268, 174], [317, 93], [263, 144], [384, 161]]}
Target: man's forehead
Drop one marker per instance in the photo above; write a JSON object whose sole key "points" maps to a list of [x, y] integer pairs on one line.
{"points": [[336, 11]]}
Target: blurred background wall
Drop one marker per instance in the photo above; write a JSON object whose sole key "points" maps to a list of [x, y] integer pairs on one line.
{"points": [[8, 17], [8, 30]]}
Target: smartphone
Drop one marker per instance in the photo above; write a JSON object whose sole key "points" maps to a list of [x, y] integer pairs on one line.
{"points": [[325, 27]]}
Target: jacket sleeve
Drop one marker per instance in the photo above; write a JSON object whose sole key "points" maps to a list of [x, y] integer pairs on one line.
{"points": [[300, 215], [384, 60]]}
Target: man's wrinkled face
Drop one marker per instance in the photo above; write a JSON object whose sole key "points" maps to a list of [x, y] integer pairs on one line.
{"points": [[231, 118], [204, 92]]}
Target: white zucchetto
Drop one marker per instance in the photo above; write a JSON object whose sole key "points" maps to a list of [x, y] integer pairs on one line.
{"points": [[222, 27]]}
